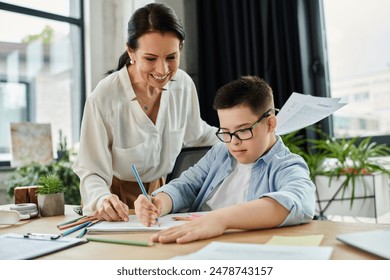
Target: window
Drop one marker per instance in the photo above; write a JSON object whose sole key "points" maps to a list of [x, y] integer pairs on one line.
{"points": [[358, 49], [41, 67], [66, 8], [13, 106]]}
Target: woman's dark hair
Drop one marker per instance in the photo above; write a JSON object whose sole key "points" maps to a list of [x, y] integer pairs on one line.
{"points": [[152, 17], [251, 91]]}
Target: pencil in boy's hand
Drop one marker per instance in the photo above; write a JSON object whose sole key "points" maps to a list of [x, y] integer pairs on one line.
{"points": [[141, 185]]}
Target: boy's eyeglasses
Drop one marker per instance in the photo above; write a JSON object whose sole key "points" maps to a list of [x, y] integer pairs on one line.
{"points": [[242, 134]]}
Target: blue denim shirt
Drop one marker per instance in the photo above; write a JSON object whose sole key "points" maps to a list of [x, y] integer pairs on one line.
{"points": [[279, 174]]}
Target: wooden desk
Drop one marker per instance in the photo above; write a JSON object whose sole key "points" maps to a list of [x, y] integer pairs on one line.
{"points": [[104, 251]]}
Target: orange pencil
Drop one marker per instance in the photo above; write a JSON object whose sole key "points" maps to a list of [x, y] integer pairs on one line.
{"points": [[79, 222]]}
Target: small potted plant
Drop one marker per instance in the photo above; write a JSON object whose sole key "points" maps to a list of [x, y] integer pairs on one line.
{"points": [[50, 194]]}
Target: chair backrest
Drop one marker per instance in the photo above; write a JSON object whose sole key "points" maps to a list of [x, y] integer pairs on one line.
{"points": [[187, 158]]}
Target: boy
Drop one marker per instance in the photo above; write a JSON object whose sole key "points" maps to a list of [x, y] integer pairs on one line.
{"points": [[250, 181]]}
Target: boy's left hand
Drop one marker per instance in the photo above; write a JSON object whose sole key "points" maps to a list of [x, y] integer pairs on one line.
{"points": [[201, 228]]}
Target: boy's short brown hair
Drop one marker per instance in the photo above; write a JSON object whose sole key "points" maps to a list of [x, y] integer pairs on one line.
{"points": [[251, 91]]}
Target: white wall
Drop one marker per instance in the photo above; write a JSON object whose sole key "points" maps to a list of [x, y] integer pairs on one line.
{"points": [[104, 29], [106, 34]]}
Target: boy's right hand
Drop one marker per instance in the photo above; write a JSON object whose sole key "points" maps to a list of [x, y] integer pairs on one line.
{"points": [[147, 211]]}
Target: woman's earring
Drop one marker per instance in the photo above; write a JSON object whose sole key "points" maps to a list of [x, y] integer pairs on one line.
{"points": [[131, 61]]}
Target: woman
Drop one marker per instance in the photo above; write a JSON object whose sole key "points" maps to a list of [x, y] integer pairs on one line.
{"points": [[141, 114]]}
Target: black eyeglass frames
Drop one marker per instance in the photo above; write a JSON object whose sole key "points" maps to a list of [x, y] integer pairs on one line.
{"points": [[244, 133]]}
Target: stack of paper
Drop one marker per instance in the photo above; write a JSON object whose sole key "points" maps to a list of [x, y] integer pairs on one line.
{"points": [[241, 251], [302, 110]]}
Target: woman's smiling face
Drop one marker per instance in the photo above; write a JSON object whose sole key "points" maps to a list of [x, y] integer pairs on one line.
{"points": [[156, 59]]}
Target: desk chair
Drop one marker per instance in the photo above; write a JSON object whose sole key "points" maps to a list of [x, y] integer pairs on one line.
{"points": [[187, 158]]}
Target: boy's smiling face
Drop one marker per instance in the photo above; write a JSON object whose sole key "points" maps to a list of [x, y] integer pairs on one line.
{"points": [[247, 151]]}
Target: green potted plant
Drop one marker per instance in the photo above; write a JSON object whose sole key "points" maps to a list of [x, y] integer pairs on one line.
{"points": [[302, 146], [50, 194], [28, 175], [352, 160], [353, 173], [346, 172]]}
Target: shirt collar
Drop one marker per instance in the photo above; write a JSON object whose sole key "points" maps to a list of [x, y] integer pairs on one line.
{"points": [[276, 148]]}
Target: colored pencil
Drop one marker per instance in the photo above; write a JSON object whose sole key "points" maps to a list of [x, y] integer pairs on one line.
{"points": [[75, 228], [141, 185], [78, 222], [71, 221], [121, 241], [85, 230]]}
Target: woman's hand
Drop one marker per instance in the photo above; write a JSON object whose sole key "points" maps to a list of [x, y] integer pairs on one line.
{"points": [[201, 228], [112, 209]]}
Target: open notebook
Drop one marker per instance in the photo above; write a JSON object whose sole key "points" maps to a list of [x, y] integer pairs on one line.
{"points": [[375, 242], [133, 224]]}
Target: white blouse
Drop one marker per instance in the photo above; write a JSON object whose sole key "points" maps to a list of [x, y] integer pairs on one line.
{"points": [[116, 132]]}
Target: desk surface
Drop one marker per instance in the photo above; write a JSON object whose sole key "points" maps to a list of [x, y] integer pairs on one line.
{"points": [[104, 251]]}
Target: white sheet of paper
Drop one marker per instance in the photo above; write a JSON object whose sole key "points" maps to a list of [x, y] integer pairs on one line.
{"points": [[245, 251], [302, 110], [133, 224]]}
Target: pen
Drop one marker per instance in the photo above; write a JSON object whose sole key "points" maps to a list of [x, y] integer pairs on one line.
{"points": [[123, 242], [141, 185], [45, 236]]}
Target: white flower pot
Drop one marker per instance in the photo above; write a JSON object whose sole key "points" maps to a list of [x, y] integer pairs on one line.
{"points": [[370, 201]]}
